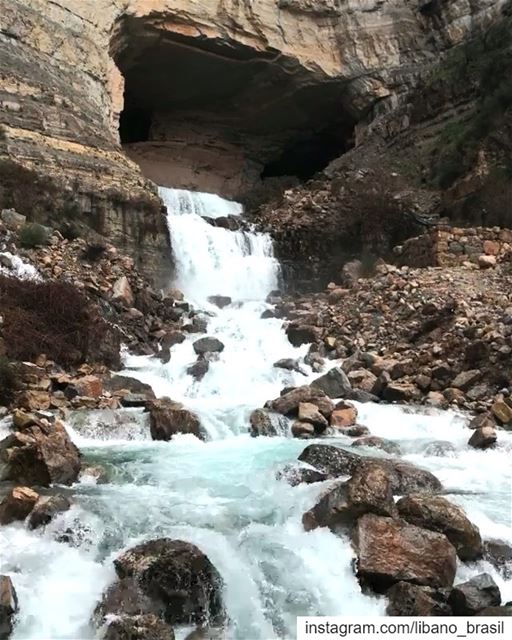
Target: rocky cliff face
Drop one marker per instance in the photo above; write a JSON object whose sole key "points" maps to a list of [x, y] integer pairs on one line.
{"points": [[201, 95]]}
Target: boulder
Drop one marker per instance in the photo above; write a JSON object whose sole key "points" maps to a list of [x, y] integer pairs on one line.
{"points": [[295, 475], [168, 418], [17, 504], [344, 415], [208, 345], [333, 461], [438, 514], [8, 607], [368, 491], [400, 392], [301, 429], [126, 386], [172, 338], [483, 438], [46, 508], [405, 477], [34, 400], [502, 412], [299, 334], [179, 576], [505, 610], [41, 454], [288, 403], [89, 386], [126, 598], [12, 219], [267, 423], [470, 597], [355, 431], [309, 412], [466, 379], [334, 383], [499, 554], [199, 369], [378, 443], [122, 292], [406, 599], [144, 627], [220, 301], [390, 551], [486, 262]]}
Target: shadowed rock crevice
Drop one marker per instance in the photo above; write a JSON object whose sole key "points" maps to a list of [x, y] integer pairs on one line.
{"points": [[209, 113]]}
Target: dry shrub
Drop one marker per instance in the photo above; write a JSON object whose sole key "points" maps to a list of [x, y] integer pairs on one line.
{"points": [[56, 319]]}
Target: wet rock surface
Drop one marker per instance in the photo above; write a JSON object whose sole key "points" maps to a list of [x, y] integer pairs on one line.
{"points": [[406, 599], [168, 418], [390, 551], [8, 607], [178, 577], [438, 514], [470, 597]]}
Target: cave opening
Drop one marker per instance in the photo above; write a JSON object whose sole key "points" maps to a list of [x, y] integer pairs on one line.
{"points": [[134, 125], [212, 114]]}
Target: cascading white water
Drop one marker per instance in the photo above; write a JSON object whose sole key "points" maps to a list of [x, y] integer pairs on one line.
{"points": [[223, 495]]}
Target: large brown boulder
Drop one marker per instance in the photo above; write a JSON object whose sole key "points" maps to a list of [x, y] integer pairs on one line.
{"points": [[405, 477], [288, 403], [17, 504], [168, 418], [144, 627], [177, 575], [438, 514], [42, 454], [406, 599], [334, 383], [8, 607], [390, 551], [368, 491], [470, 597]]}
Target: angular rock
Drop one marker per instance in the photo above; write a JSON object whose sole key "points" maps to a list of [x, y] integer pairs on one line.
{"points": [[405, 477], [46, 508], [42, 454], [301, 429], [17, 504], [267, 423], [122, 292], [178, 575], [368, 491], [12, 219], [470, 597], [502, 411], [483, 438], [438, 514], [288, 403], [289, 364], [378, 443], [34, 400], [144, 627], [172, 338], [400, 392], [168, 418], [208, 345], [295, 475], [334, 383], [355, 431], [344, 415], [505, 610], [406, 599], [89, 386], [466, 379], [199, 369], [302, 334], [124, 385], [499, 554], [8, 606], [308, 412], [390, 551]]}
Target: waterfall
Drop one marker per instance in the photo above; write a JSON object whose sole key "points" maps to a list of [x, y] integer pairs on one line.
{"points": [[223, 494]]}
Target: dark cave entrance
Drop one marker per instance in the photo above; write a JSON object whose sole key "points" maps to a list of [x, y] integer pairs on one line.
{"points": [[215, 115], [134, 124], [304, 157]]}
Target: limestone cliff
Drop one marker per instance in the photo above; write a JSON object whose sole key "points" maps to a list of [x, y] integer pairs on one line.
{"points": [[210, 95]]}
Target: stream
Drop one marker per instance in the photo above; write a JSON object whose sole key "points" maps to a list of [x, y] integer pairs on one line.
{"points": [[223, 494]]}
